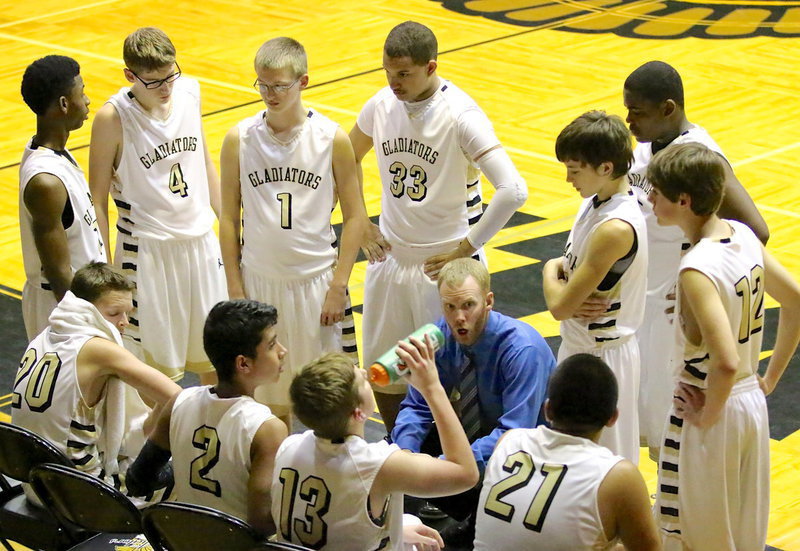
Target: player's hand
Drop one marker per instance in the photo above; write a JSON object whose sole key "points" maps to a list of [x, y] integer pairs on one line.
{"points": [[689, 401], [592, 308], [670, 310], [419, 356], [423, 538], [333, 307], [375, 245], [764, 385]]}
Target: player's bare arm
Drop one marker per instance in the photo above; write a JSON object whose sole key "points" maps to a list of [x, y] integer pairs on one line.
{"points": [[105, 149], [213, 177], [355, 222], [374, 244], [230, 220], [738, 205], [420, 474], [100, 358], [45, 198], [702, 313], [625, 511], [781, 286], [265, 445], [609, 242]]}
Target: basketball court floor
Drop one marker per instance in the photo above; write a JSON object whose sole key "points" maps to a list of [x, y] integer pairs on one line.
{"points": [[533, 66]]}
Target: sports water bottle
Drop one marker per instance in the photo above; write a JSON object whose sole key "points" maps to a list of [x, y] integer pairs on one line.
{"points": [[388, 368]]}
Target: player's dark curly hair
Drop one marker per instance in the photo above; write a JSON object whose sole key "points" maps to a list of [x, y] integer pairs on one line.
{"points": [[233, 328], [414, 40], [47, 79], [583, 395], [656, 81]]}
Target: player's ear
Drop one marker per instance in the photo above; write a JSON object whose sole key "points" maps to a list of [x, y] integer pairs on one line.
{"points": [[669, 107], [63, 104], [303, 82], [359, 415], [605, 168], [685, 200], [548, 413], [128, 75], [241, 364], [431, 67], [613, 419], [489, 300]]}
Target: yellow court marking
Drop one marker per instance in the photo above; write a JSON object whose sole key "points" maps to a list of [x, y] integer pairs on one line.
{"points": [[51, 14]]}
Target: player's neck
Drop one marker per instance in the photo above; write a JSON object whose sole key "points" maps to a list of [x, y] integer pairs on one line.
{"points": [[232, 389], [433, 85], [50, 135], [669, 137], [286, 123], [702, 227], [154, 108], [618, 185]]}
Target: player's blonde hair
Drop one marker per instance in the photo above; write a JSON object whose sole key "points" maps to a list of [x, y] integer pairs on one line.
{"points": [[282, 53], [148, 49], [691, 169], [455, 272], [324, 395]]}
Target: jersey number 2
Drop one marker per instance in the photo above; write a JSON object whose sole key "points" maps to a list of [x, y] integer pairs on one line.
{"points": [[520, 465], [177, 184], [751, 289], [311, 529], [205, 438]]}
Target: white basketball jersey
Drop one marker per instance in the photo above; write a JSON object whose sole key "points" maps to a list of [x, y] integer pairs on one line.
{"points": [[540, 492], [665, 241], [80, 222], [288, 193], [47, 399], [161, 185], [320, 495], [626, 283], [210, 439], [736, 267], [431, 187]]}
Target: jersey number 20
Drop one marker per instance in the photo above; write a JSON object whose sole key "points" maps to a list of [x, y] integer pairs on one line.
{"points": [[41, 383], [520, 465]]}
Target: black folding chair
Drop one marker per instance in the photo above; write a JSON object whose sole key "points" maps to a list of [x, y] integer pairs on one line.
{"points": [[84, 500], [279, 546], [183, 527], [20, 520]]}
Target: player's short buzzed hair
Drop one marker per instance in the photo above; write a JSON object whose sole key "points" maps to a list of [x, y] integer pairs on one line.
{"points": [[656, 82], [689, 168], [282, 53], [47, 79], [455, 272], [96, 279], [324, 395], [414, 40], [148, 49], [235, 328], [583, 395], [594, 138]]}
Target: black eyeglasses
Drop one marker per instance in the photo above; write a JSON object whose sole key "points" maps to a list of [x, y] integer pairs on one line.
{"points": [[157, 83]]}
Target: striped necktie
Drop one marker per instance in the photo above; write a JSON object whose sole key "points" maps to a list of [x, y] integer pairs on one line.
{"points": [[468, 387]]}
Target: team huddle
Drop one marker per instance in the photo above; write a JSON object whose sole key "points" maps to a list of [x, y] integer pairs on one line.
{"points": [[660, 295]]}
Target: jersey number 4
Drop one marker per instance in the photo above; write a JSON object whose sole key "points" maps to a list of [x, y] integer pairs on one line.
{"points": [[521, 466], [177, 184], [751, 290], [41, 383], [417, 190], [310, 529]]}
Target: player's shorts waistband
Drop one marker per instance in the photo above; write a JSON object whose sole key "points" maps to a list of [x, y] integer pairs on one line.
{"points": [[747, 384], [419, 253]]}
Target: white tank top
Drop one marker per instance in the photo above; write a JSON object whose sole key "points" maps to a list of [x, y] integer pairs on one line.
{"points": [[83, 237], [553, 505], [288, 193], [47, 399], [625, 285], [320, 495], [665, 241], [161, 185], [431, 187], [736, 267], [210, 439]]}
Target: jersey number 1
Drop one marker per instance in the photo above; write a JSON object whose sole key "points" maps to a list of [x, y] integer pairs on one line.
{"points": [[177, 184], [520, 465]]}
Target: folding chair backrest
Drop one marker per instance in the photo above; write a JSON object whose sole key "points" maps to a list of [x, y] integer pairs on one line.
{"points": [[184, 527], [85, 500], [21, 450]]}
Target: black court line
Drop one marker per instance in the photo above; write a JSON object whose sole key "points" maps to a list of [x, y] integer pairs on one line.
{"points": [[545, 26]]}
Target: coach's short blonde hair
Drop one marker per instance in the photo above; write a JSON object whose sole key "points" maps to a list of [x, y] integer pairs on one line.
{"points": [[148, 49], [324, 395], [455, 272], [282, 53]]}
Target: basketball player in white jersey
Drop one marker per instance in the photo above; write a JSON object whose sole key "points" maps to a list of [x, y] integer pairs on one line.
{"points": [[71, 384], [283, 170], [222, 441], [714, 465], [432, 141], [332, 490], [148, 150], [653, 95], [605, 259], [57, 221], [555, 488]]}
